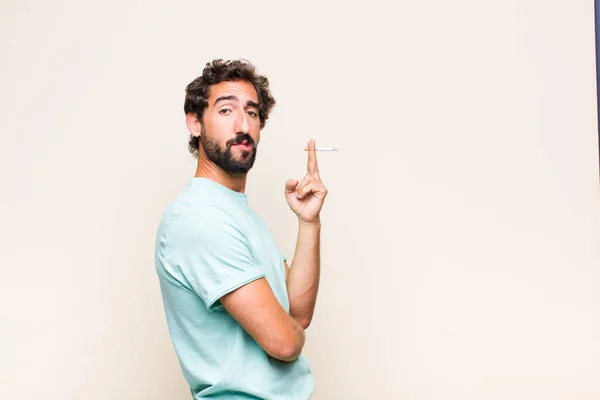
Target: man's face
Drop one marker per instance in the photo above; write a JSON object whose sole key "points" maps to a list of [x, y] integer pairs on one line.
{"points": [[231, 126]]}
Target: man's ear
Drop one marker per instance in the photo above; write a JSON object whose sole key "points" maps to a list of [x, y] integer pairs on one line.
{"points": [[193, 124]]}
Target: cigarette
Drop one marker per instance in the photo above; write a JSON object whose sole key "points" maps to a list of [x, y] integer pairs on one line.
{"points": [[324, 149]]}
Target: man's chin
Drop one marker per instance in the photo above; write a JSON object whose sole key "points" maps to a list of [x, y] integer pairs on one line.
{"points": [[240, 168], [234, 162]]}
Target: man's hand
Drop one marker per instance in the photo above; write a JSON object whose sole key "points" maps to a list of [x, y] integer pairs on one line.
{"points": [[306, 199]]}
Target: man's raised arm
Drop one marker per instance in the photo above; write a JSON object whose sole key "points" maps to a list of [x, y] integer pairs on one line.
{"points": [[306, 200]]}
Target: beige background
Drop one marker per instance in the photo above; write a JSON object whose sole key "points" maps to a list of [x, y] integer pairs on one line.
{"points": [[460, 237]]}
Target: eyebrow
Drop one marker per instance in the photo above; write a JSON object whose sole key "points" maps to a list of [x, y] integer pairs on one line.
{"points": [[234, 98]]}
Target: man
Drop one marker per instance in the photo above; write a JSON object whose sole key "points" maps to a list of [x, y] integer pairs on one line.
{"points": [[235, 310]]}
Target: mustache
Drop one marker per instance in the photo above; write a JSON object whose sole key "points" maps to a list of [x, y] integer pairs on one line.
{"points": [[239, 139]]}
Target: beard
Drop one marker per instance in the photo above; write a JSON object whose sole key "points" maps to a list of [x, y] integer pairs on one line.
{"points": [[224, 158]]}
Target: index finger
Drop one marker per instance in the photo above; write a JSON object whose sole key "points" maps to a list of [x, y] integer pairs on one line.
{"points": [[313, 168]]}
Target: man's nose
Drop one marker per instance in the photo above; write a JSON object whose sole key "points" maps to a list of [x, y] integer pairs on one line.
{"points": [[242, 123]]}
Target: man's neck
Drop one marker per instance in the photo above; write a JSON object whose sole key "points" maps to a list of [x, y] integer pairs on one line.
{"points": [[208, 170]]}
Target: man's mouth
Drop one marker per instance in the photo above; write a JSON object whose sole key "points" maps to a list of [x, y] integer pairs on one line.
{"points": [[244, 145]]}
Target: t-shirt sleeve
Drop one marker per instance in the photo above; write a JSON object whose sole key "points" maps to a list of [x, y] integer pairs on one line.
{"points": [[216, 255]]}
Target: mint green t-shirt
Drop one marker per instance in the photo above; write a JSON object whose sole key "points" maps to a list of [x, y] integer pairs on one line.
{"points": [[209, 243]]}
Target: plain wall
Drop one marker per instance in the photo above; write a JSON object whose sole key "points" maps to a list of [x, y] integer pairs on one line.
{"points": [[461, 232]]}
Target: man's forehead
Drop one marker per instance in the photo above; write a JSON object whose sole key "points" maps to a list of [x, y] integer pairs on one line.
{"points": [[242, 90]]}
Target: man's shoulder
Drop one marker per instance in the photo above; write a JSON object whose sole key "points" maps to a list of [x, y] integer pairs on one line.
{"points": [[199, 211], [198, 203], [201, 227]]}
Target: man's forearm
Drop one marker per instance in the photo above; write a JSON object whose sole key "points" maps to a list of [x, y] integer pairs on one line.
{"points": [[304, 273]]}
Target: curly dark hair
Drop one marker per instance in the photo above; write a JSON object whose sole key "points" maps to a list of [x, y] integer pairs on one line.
{"points": [[216, 71]]}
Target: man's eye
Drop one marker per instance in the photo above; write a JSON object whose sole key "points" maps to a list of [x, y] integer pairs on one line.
{"points": [[253, 113], [224, 111]]}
